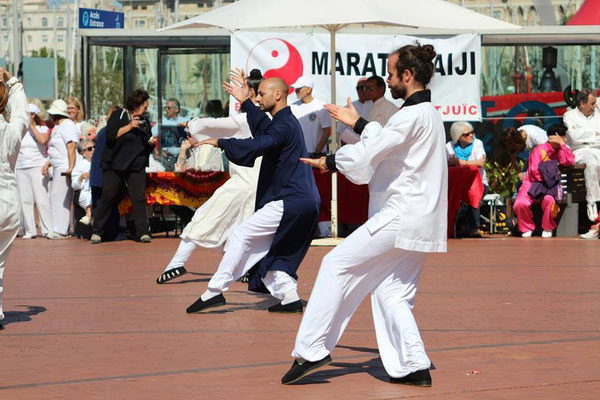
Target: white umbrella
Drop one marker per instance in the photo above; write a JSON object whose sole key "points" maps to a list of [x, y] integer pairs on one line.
{"points": [[334, 15]]}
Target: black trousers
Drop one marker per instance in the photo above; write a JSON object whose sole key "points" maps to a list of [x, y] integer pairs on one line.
{"points": [[113, 189]]}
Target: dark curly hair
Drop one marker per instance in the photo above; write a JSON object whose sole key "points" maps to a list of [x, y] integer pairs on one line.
{"points": [[514, 140], [135, 99], [418, 59]]}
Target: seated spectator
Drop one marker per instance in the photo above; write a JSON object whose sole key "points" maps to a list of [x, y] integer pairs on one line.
{"points": [[80, 178], [171, 117], [583, 137], [465, 149], [526, 137], [542, 182], [87, 131]]}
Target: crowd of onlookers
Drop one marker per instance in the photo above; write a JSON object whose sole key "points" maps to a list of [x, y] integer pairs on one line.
{"points": [[65, 162], [64, 154]]}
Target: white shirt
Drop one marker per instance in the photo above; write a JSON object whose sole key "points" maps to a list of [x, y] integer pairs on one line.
{"points": [[81, 167], [381, 111], [582, 131], [57, 148], [10, 140], [477, 152], [535, 136], [405, 165], [32, 154], [168, 122], [313, 118]]}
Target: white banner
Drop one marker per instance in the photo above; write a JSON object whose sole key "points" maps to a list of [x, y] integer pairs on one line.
{"points": [[454, 87]]}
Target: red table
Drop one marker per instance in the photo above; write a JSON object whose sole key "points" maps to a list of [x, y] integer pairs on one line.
{"points": [[464, 186], [190, 188], [353, 200]]}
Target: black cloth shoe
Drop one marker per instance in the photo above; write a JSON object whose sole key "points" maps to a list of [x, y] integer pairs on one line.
{"points": [[171, 274], [418, 378], [1, 326], [200, 305], [298, 371], [290, 308]]}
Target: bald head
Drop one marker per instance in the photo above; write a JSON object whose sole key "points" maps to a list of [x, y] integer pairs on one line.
{"points": [[272, 95], [276, 84]]}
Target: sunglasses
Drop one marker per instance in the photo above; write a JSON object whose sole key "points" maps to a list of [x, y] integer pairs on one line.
{"points": [[468, 134], [89, 148], [362, 87]]}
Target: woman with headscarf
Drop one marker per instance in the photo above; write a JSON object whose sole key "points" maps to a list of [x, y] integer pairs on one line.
{"points": [[12, 96], [61, 154], [33, 186]]}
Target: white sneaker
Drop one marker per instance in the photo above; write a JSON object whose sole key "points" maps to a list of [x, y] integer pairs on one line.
{"points": [[28, 236], [85, 220], [591, 234], [56, 236], [527, 234], [547, 234]]}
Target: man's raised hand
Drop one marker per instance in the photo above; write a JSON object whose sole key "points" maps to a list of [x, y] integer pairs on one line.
{"points": [[237, 87], [347, 115]]}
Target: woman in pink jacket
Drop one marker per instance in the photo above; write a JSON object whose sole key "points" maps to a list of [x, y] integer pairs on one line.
{"points": [[533, 187]]}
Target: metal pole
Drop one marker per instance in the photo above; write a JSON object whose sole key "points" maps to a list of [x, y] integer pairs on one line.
{"points": [[17, 51], [85, 75], [54, 4], [334, 142]]}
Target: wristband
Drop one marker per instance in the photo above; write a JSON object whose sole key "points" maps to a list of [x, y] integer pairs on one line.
{"points": [[12, 81]]}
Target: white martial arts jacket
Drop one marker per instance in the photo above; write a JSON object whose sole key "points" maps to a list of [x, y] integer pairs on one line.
{"points": [[405, 165], [10, 142], [582, 131]]}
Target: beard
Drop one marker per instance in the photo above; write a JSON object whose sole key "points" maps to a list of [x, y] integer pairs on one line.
{"points": [[398, 92]]}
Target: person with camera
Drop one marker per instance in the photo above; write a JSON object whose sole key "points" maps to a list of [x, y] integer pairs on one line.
{"points": [[129, 143]]}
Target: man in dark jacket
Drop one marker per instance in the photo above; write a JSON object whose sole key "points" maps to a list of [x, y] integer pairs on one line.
{"points": [[276, 237]]}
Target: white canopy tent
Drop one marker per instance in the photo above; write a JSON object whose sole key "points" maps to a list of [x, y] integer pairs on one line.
{"points": [[334, 15]]}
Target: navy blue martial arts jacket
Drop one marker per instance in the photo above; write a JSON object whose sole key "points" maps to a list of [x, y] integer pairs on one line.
{"points": [[282, 177]]}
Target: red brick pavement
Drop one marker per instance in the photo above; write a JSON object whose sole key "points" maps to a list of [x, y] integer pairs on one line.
{"points": [[89, 322]]}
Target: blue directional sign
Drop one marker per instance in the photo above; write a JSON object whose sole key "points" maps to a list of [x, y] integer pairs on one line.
{"points": [[100, 19]]}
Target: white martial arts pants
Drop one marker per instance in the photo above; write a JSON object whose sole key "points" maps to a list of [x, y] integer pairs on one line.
{"points": [[7, 238], [248, 243], [591, 159], [183, 253], [33, 190], [366, 263], [61, 198]]}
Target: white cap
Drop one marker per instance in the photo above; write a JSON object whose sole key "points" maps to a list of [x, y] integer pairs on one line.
{"points": [[32, 108], [303, 81], [58, 107]]}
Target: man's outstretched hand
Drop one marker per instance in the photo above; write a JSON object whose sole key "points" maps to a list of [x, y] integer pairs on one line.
{"points": [[347, 115], [237, 87], [318, 163], [212, 141]]}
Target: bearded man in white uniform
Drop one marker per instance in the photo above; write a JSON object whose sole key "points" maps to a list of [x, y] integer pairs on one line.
{"points": [[404, 164], [12, 97], [583, 137]]}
